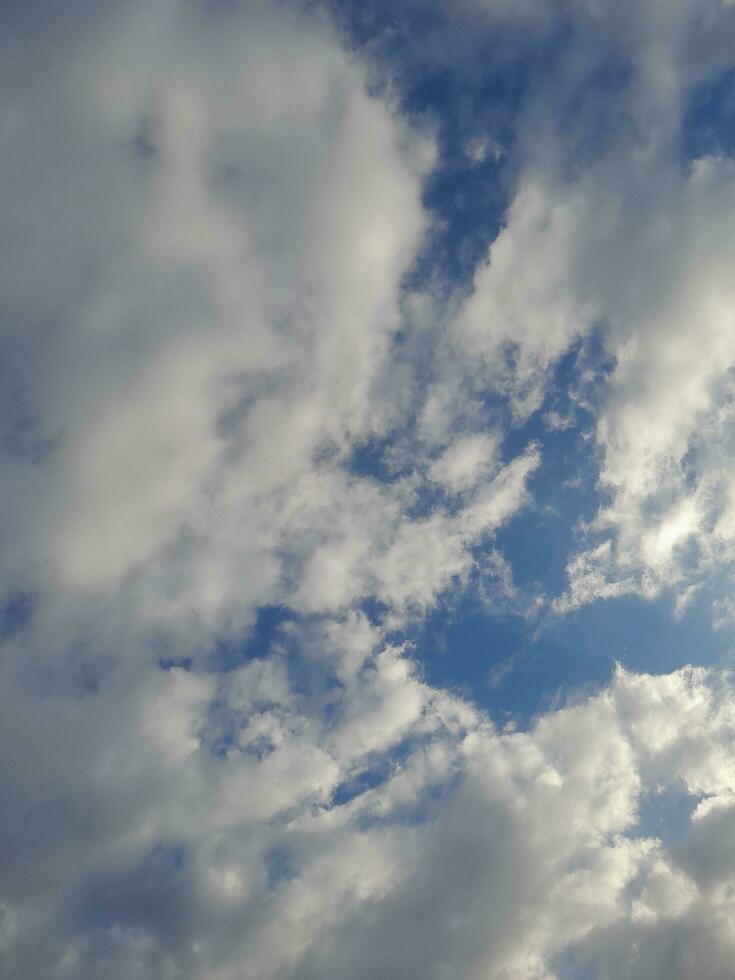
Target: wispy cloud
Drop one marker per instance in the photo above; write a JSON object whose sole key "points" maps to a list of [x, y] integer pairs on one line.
{"points": [[275, 397]]}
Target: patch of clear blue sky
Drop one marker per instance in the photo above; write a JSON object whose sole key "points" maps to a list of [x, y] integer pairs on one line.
{"points": [[504, 664], [709, 123]]}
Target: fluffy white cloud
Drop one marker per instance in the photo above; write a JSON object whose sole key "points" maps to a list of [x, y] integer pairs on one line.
{"points": [[465, 462], [208, 219], [208, 222], [214, 346], [248, 831]]}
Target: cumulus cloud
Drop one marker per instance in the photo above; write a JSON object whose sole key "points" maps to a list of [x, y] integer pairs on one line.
{"points": [[208, 221], [228, 394], [398, 833]]}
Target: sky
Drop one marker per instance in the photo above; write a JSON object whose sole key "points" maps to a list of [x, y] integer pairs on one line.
{"points": [[367, 465]]}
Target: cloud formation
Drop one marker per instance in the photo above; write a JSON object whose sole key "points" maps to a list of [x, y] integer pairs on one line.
{"points": [[254, 435]]}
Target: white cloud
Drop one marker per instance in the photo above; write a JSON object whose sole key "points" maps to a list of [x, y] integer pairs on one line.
{"points": [[209, 224], [620, 234], [466, 461], [660, 280], [212, 329], [492, 853], [522, 315], [210, 221]]}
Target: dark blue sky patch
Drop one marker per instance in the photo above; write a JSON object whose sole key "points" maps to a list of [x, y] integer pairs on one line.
{"points": [[517, 667], [25, 438], [708, 127], [496, 662], [367, 779], [174, 663], [374, 610], [469, 190], [279, 866], [564, 488], [374, 458], [16, 613], [23, 433], [231, 653]]}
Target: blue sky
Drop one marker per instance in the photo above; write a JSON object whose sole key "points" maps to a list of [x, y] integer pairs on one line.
{"points": [[368, 539]]}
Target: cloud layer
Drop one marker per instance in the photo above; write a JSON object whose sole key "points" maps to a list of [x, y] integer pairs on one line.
{"points": [[254, 433]]}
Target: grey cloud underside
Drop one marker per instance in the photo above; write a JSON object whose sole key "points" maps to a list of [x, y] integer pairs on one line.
{"points": [[209, 219]]}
